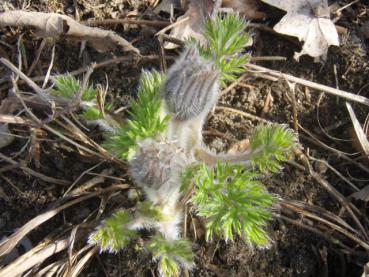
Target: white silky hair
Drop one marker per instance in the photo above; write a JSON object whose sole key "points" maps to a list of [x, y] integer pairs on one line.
{"points": [[191, 86], [190, 92], [157, 161], [156, 168], [168, 225]]}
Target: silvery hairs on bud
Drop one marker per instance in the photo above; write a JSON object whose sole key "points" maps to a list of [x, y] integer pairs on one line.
{"points": [[156, 167], [191, 87]]}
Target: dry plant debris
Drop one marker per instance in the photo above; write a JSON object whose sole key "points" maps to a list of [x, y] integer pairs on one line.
{"points": [[309, 21], [344, 227], [191, 24], [6, 137], [168, 5], [362, 194], [362, 139], [57, 25], [249, 8]]}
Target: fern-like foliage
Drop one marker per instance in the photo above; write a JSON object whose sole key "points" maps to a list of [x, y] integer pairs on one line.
{"points": [[226, 38], [271, 144], [147, 210], [233, 202], [172, 255], [114, 234], [67, 86], [187, 176], [146, 119]]}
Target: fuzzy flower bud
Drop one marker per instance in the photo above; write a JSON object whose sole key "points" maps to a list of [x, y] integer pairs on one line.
{"points": [[191, 87], [156, 167]]}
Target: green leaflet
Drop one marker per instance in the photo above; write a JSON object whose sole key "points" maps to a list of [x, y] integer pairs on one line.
{"points": [[270, 145], [226, 39], [67, 86], [172, 255], [113, 235], [145, 119], [234, 202]]}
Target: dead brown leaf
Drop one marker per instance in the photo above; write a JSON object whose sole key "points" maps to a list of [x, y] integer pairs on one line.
{"points": [[239, 147], [362, 194], [249, 8], [309, 21], [191, 24], [35, 256], [61, 26]]}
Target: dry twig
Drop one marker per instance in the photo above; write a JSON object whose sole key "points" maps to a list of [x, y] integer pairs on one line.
{"points": [[58, 25], [8, 244], [319, 87]]}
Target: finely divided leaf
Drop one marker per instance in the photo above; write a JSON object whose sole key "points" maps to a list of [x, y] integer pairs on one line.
{"points": [[271, 144], [171, 254], [226, 39], [113, 235], [233, 202], [146, 119]]}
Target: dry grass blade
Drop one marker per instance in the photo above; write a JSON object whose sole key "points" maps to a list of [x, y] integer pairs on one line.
{"points": [[360, 134], [77, 269], [51, 268], [91, 183], [319, 87], [108, 62], [79, 178], [34, 173], [33, 257], [336, 172], [72, 239], [242, 113], [339, 153], [77, 100], [340, 198], [103, 22], [84, 138], [4, 118], [33, 85], [233, 85], [57, 25], [328, 223], [318, 232], [45, 126], [321, 213], [7, 245]]}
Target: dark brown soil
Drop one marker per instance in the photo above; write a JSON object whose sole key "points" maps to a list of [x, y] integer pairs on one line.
{"points": [[294, 251]]}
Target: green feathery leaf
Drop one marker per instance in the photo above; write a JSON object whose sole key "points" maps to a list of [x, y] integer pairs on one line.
{"points": [[171, 254], [233, 202], [114, 234], [148, 210], [146, 119], [67, 86], [187, 176], [271, 144], [226, 38]]}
